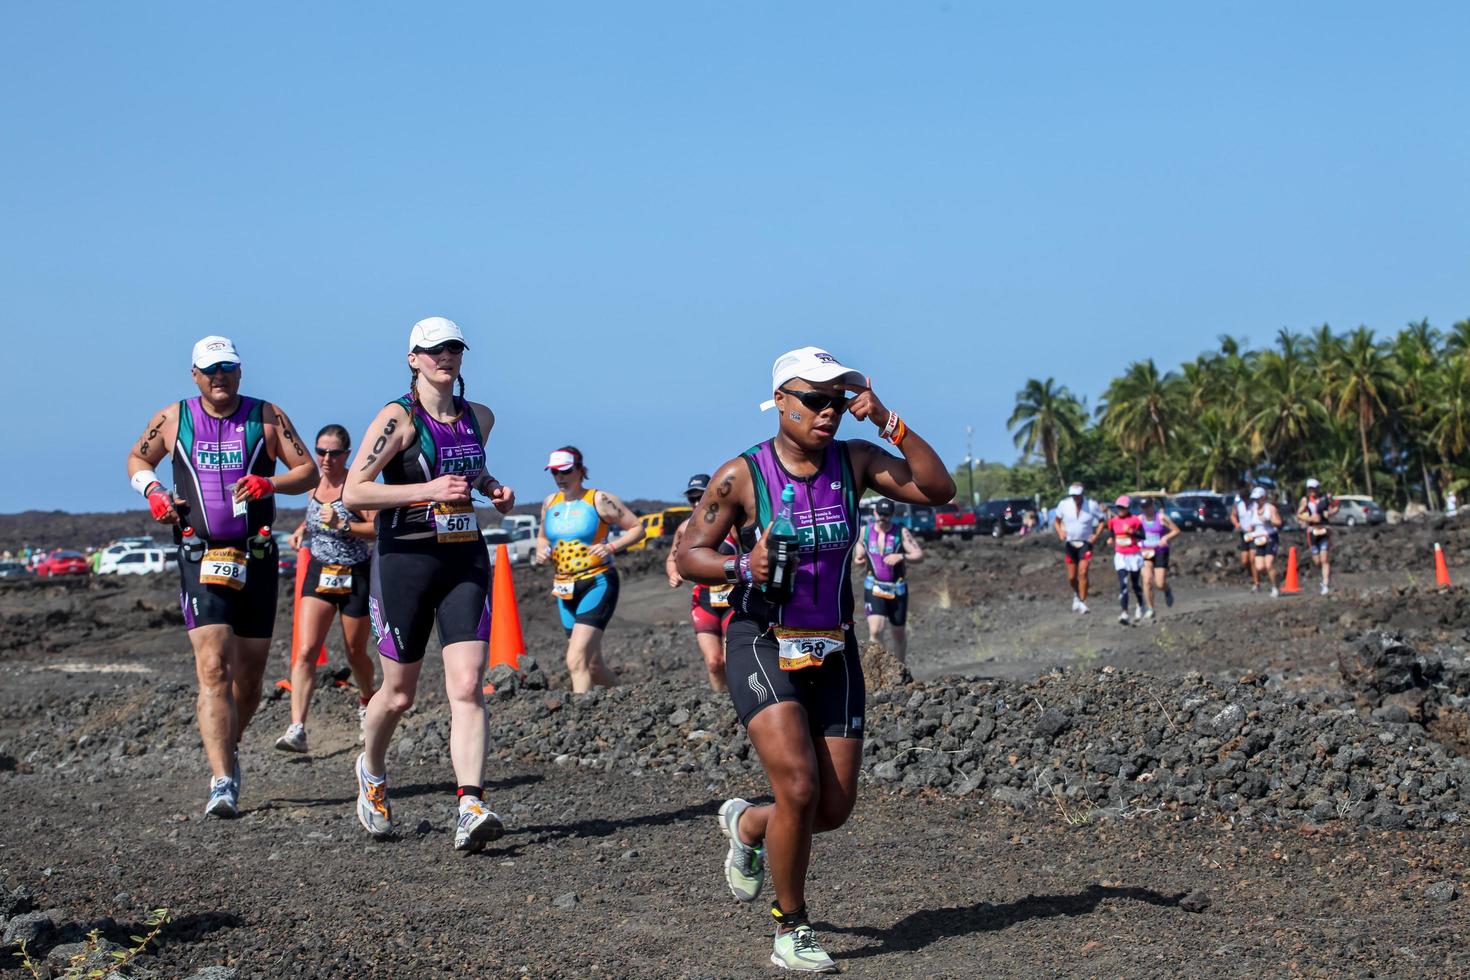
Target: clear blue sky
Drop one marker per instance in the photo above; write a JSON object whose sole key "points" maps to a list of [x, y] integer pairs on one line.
{"points": [[632, 208]]}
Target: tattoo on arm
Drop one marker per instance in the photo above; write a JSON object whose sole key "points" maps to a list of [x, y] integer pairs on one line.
{"points": [[287, 434], [726, 485], [152, 434], [711, 512], [381, 444]]}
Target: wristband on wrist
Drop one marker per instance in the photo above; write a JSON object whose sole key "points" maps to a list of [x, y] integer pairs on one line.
{"points": [[891, 426], [743, 567], [144, 481], [732, 570]]}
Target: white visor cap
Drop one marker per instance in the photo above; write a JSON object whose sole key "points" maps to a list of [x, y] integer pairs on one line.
{"points": [[213, 350], [433, 331], [809, 364], [561, 461]]}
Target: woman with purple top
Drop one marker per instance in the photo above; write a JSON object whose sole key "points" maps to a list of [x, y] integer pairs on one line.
{"points": [[430, 567], [793, 669]]}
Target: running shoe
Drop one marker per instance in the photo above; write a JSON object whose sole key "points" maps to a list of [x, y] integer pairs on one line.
{"points": [[294, 740], [1325, 589], [1076, 604], [1148, 613], [373, 811], [478, 826], [224, 798], [1082, 607], [1169, 597], [1123, 618], [1256, 587], [745, 866], [1275, 592], [799, 950]]}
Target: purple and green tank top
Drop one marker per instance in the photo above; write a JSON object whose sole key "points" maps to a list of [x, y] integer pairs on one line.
{"points": [[1153, 531], [211, 454], [879, 544], [825, 514], [439, 448]]}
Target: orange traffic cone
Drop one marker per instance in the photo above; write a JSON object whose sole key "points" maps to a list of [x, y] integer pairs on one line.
{"points": [[1291, 586], [303, 559], [1441, 570], [506, 642]]}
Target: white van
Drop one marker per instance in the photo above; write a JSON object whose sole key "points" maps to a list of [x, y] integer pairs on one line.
{"points": [[137, 561], [520, 520]]}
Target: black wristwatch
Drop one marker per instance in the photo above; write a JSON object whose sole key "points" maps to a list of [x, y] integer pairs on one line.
{"points": [[732, 570]]}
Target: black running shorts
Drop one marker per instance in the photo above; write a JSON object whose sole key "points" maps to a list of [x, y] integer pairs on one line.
{"points": [[249, 612], [832, 693], [353, 602], [895, 610], [418, 581]]}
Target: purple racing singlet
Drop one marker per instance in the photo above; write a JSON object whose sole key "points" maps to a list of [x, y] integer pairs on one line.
{"points": [[825, 515], [212, 454], [440, 448]]}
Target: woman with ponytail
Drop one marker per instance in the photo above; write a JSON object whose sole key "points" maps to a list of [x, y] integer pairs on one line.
{"points": [[429, 564]]}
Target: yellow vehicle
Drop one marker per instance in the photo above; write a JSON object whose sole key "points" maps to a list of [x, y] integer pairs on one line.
{"points": [[659, 524]]}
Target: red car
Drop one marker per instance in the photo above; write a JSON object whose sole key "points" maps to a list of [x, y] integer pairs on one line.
{"points": [[63, 563]]}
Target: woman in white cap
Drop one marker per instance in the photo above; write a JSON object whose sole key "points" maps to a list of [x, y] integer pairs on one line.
{"points": [[573, 533], [791, 656], [1262, 530], [429, 564], [1314, 511]]}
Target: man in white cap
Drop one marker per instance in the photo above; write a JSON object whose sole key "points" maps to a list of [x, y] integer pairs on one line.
{"points": [[1314, 511], [225, 448], [1078, 523]]}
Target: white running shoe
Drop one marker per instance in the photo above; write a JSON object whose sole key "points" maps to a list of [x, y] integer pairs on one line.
{"points": [[224, 798], [1082, 607], [1148, 613], [373, 811], [1275, 592], [1325, 589], [1076, 604], [745, 866], [799, 950], [1256, 587], [1123, 618], [294, 740], [478, 826]]}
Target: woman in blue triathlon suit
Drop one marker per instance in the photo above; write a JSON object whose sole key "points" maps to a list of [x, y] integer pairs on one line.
{"points": [[793, 669], [574, 535], [429, 565]]}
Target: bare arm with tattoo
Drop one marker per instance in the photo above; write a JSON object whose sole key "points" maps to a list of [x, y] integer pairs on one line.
{"points": [[281, 439], [618, 515], [726, 505], [156, 442], [390, 434]]}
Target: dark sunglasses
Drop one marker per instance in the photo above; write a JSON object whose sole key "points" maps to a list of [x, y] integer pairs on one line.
{"points": [[228, 367], [453, 346], [816, 401], [330, 453]]}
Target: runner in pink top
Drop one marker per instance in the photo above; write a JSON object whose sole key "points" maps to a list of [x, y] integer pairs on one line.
{"points": [[1127, 532]]}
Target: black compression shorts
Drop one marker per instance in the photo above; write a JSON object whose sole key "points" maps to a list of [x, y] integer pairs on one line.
{"points": [[1160, 558], [250, 611], [418, 581], [831, 693], [895, 610], [353, 601]]}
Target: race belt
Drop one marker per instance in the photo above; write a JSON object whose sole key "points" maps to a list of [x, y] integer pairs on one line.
{"points": [[802, 648]]}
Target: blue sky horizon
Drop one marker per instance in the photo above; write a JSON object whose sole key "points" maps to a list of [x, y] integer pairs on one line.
{"points": [[632, 210]]}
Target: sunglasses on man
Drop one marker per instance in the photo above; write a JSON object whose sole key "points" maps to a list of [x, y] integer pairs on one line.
{"points": [[453, 346], [228, 367], [818, 401]]}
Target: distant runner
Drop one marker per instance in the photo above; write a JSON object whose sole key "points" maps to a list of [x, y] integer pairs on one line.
{"points": [[709, 606], [1158, 530], [1127, 532], [1078, 523], [794, 668], [1314, 511], [1240, 513], [573, 533], [337, 580], [430, 567], [1263, 529], [889, 550], [225, 448]]}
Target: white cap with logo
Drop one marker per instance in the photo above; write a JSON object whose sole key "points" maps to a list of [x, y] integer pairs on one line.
{"points": [[433, 331], [213, 350], [561, 461], [809, 364]]}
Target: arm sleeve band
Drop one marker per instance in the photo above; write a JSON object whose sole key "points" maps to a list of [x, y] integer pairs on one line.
{"points": [[143, 479]]}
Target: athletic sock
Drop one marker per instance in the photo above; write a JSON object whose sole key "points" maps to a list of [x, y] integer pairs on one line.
{"points": [[786, 921], [469, 794]]}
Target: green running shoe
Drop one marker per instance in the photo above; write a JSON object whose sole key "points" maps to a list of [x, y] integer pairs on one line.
{"points": [[745, 866], [799, 950]]}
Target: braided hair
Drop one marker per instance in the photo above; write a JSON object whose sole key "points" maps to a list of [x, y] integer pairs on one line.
{"points": [[413, 390]]}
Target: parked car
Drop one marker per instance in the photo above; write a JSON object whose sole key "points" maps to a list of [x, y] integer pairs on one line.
{"points": [[1003, 515], [1196, 511], [64, 563], [138, 561], [917, 518], [138, 541], [14, 569], [1353, 510], [952, 519], [520, 520], [519, 541], [658, 527]]}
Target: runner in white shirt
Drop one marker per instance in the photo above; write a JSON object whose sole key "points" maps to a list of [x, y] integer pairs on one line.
{"points": [[1262, 529], [1078, 523], [1239, 514]]}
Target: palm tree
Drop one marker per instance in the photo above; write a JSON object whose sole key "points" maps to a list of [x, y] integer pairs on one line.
{"points": [[1450, 406], [1138, 409], [1416, 358], [1458, 340], [1212, 453], [1286, 409], [1360, 385], [1047, 419]]}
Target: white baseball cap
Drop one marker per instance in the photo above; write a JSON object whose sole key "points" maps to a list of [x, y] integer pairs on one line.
{"points": [[1312, 483], [561, 461], [433, 331], [213, 350], [809, 364], [1259, 493], [1075, 490]]}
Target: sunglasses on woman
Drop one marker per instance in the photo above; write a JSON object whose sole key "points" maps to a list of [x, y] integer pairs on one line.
{"points": [[330, 453], [818, 401], [453, 346], [228, 367]]}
